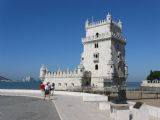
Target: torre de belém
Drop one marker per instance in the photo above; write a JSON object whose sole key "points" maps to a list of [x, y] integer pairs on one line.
{"points": [[102, 61]]}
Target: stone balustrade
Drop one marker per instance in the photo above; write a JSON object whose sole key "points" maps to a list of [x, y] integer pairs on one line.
{"points": [[97, 23], [103, 36], [101, 22]]}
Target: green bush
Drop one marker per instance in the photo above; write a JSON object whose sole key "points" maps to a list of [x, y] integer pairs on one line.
{"points": [[153, 75]]}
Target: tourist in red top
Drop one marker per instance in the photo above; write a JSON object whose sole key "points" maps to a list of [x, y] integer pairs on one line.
{"points": [[42, 88]]}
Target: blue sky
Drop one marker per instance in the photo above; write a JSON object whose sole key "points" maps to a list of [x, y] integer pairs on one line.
{"points": [[36, 32]]}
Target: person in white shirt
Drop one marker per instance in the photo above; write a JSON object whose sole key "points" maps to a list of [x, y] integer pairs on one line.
{"points": [[52, 88], [47, 91]]}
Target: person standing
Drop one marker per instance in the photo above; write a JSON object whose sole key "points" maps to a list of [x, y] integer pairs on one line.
{"points": [[42, 88], [47, 91], [52, 88]]}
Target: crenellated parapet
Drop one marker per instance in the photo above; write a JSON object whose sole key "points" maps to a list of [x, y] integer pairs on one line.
{"points": [[95, 24], [102, 36], [107, 20], [65, 73]]}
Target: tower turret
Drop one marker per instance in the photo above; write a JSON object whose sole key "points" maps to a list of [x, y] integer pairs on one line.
{"points": [[86, 23], [80, 68], [120, 24], [109, 18], [43, 70]]}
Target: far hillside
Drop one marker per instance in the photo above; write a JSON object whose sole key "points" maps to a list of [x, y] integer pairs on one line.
{"points": [[3, 79]]}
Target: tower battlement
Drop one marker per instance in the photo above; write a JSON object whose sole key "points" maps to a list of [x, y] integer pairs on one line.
{"points": [[64, 73], [95, 24], [107, 20], [77, 72]]}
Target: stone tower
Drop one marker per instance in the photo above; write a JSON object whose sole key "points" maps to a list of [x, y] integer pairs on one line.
{"points": [[104, 52], [102, 60]]}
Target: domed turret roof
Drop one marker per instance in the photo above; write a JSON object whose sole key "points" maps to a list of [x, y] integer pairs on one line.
{"points": [[43, 68]]}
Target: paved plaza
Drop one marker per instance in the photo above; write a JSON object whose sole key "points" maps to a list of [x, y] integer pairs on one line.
{"points": [[73, 108], [26, 108], [29, 105]]}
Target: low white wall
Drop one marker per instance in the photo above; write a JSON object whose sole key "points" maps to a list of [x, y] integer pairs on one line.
{"points": [[18, 91], [15, 92]]}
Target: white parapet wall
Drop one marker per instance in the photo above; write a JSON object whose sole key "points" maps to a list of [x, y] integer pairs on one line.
{"points": [[22, 92], [16, 92]]}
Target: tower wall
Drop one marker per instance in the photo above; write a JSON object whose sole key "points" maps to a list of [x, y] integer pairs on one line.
{"points": [[107, 34], [93, 29]]}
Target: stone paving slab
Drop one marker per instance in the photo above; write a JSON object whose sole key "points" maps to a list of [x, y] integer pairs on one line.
{"points": [[73, 108]]}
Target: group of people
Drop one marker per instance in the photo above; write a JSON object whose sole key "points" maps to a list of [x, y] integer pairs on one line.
{"points": [[47, 89]]}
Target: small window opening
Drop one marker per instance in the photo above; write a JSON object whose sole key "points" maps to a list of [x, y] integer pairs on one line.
{"points": [[96, 45], [96, 67]]}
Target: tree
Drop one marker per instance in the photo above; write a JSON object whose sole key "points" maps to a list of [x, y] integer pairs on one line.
{"points": [[153, 75]]}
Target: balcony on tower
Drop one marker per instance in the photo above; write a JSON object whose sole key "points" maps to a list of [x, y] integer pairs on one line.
{"points": [[103, 36]]}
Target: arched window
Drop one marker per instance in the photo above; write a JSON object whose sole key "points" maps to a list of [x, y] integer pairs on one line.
{"points": [[96, 67], [96, 45]]}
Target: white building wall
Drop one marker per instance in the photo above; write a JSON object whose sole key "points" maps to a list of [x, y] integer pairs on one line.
{"points": [[104, 51], [98, 29], [64, 83]]}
